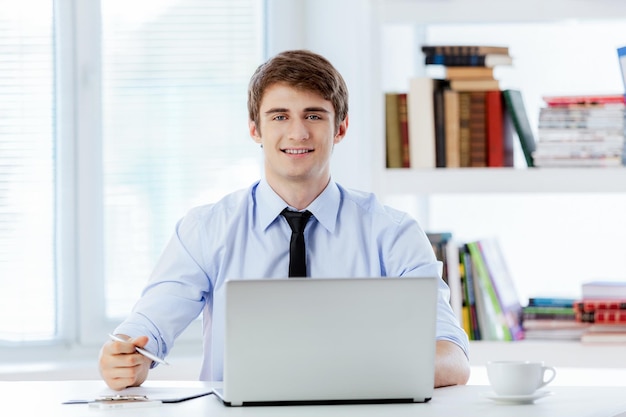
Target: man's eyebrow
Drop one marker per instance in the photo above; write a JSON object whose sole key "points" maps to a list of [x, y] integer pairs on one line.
{"points": [[317, 109], [277, 110], [307, 109]]}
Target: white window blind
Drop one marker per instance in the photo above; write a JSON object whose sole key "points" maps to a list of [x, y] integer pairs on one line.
{"points": [[27, 171], [174, 83]]}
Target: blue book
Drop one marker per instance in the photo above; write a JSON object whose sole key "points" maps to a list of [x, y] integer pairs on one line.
{"points": [[485, 60], [621, 54], [550, 302]]}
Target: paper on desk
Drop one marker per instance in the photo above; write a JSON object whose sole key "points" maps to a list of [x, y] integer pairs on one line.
{"points": [[163, 393]]}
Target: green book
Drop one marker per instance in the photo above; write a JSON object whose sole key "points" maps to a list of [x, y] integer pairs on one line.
{"points": [[493, 325], [514, 104]]}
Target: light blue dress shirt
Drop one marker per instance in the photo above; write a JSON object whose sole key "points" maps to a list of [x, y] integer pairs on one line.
{"points": [[351, 234]]}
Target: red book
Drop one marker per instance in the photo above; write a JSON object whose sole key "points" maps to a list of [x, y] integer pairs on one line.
{"points": [[593, 305], [584, 100], [603, 316], [494, 129]]}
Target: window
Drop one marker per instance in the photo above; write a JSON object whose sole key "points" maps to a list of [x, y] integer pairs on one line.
{"points": [[27, 171], [174, 83], [152, 121]]}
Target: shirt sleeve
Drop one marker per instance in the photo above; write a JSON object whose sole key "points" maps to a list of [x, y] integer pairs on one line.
{"points": [[413, 256], [175, 294]]}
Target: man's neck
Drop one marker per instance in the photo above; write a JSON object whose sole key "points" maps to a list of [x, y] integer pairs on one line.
{"points": [[299, 194]]}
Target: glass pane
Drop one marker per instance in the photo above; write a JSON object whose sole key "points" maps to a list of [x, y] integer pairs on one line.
{"points": [[27, 277], [175, 75]]}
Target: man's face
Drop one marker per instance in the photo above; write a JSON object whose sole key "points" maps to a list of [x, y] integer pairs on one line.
{"points": [[296, 129]]}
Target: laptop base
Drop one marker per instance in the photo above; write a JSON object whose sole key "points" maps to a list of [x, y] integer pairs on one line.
{"points": [[219, 394]]}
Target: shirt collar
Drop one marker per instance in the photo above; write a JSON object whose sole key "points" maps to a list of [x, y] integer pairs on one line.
{"points": [[325, 207]]}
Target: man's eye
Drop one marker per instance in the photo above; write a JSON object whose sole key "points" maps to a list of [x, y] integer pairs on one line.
{"points": [[279, 117], [313, 117]]}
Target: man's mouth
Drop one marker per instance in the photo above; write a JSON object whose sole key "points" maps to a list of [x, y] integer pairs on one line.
{"points": [[297, 151]]}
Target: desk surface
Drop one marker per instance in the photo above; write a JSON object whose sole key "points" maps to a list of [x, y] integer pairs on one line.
{"points": [[45, 398]]}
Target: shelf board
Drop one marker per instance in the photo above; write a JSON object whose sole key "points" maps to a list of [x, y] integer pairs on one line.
{"points": [[554, 352], [481, 11], [502, 180]]}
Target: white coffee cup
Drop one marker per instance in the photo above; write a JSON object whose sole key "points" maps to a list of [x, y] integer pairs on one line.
{"points": [[518, 377]]}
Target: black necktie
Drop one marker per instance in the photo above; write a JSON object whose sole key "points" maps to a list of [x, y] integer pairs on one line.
{"points": [[297, 254]]}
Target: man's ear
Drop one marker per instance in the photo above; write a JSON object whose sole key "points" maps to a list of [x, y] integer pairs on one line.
{"points": [[255, 133], [341, 130]]}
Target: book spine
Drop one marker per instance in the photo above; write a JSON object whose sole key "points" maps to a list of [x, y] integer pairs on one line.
{"points": [[451, 115], [466, 318], [494, 129], [456, 60], [403, 115], [478, 140], [421, 122], [593, 305], [469, 73], [440, 124], [548, 316], [621, 56], [454, 278], [392, 128], [583, 100], [468, 268], [601, 316], [464, 50], [464, 129], [551, 302], [515, 108], [562, 311]]}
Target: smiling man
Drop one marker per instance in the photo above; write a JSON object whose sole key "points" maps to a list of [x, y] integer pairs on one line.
{"points": [[298, 111]]}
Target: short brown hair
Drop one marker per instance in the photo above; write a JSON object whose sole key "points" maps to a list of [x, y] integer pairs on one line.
{"points": [[300, 69]]}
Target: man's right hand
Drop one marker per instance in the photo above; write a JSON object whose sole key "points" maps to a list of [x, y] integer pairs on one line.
{"points": [[120, 364]]}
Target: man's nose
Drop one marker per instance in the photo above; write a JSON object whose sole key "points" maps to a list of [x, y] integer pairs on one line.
{"points": [[298, 130]]}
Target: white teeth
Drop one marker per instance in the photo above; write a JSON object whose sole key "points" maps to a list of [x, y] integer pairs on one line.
{"points": [[296, 151]]}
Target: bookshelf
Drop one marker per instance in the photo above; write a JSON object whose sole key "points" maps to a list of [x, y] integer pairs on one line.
{"points": [[423, 182], [420, 184]]}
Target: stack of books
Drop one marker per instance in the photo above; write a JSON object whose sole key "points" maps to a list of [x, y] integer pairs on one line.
{"points": [[552, 318], [459, 118], [466, 55], [580, 131], [468, 67], [467, 107], [603, 308]]}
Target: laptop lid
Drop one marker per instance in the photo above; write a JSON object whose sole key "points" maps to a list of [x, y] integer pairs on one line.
{"points": [[312, 341]]}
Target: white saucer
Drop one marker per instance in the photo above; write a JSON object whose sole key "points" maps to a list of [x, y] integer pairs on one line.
{"points": [[516, 399]]}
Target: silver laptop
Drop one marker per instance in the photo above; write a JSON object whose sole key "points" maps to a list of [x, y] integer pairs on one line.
{"points": [[329, 341]]}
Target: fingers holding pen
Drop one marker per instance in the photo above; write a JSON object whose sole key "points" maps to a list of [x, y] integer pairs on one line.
{"points": [[121, 365], [126, 345]]}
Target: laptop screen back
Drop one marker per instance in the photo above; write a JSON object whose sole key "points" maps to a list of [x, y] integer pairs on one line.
{"points": [[329, 340]]}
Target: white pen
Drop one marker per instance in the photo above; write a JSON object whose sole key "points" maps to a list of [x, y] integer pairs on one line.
{"points": [[140, 350]]}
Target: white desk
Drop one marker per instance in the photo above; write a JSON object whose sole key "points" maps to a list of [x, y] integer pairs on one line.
{"points": [[44, 398]]}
